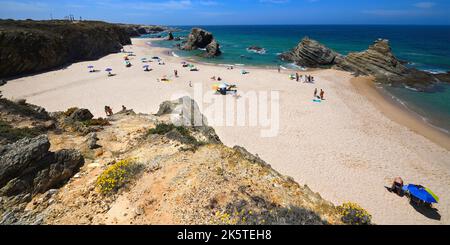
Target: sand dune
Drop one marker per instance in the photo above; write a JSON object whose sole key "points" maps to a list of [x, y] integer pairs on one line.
{"points": [[345, 148]]}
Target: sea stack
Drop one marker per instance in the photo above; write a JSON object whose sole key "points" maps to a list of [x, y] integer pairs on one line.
{"points": [[201, 39], [380, 62], [170, 36], [310, 53]]}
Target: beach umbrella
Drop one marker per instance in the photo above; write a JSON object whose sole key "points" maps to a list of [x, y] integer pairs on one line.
{"points": [[108, 69], [145, 66], [90, 67], [421, 193]]}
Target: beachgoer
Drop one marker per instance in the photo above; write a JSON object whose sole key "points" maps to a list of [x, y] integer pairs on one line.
{"points": [[176, 73], [297, 77], [315, 93], [108, 111], [322, 94], [219, 79], [397, 185], [213, 78], [279, 69], [190, 84], [124, 108]]}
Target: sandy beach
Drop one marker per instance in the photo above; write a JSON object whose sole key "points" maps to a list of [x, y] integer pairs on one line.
{"points": [[347, 148]]}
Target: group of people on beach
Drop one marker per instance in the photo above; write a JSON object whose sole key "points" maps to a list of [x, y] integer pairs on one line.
{"points": [[320, 96], [109, 112], [304, 78]]}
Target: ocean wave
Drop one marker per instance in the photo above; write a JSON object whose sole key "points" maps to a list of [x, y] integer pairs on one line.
{"points": [[175, 55], [262, 51]]}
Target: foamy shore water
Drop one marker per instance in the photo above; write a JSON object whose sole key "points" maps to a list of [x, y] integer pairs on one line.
{"points": [[346, 148]]}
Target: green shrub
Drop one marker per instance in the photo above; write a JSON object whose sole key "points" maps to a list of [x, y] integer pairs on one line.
{"points": [[182, 134], [70, 111], [14, 134], [353, 214]]}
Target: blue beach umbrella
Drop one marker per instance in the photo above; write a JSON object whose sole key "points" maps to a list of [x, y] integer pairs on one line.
{"points": [[108, 69], [90, 67], [421, 193]]}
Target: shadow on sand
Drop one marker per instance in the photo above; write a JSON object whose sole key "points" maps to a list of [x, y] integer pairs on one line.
{"points": [[429, 212]]}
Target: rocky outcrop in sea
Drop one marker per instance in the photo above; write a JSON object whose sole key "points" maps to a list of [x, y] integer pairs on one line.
{"points": [[35, 46], [201, 39], [310, 53], [377, 61]]}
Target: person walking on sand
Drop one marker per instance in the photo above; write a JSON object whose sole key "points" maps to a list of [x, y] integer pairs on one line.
{"points": [[279, 69], [176, 73], [190, 84], [322, 94], [297, 77], [315, 93]]}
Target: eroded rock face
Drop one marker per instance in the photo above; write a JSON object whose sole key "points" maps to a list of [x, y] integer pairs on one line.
{"points": [[27, 166], [185, 112], [310, 53], [377, 61], [201, 39], [380, 62], [81, 115], [35, 46]]}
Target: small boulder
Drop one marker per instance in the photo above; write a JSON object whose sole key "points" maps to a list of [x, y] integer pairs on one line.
{"points": [[81, 115]]}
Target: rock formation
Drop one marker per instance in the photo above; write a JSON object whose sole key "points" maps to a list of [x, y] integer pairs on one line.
{"points": [[310, 53], [170, 36], [377, 61], [35, 46], [380, 62], [202, 180], [201, 39], [185, 112], [138, 30], [27, 166]]}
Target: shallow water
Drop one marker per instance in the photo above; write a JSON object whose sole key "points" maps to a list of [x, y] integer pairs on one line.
{"points": [[424, 47]]}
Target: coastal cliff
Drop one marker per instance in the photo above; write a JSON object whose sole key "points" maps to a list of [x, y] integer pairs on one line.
{"points": [[201, 39], [35, 46], [65, 173], [377, 61]]}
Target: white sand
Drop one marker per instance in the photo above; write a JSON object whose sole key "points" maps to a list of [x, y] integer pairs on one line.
{"points": [[343, 148]]}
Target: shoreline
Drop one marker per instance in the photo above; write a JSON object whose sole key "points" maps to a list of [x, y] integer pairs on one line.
{"points": [[344, 148], [380, 98], [398, 112], [193, 60]]}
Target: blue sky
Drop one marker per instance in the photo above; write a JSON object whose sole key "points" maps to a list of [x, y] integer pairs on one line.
{"points": [[231, 12]]}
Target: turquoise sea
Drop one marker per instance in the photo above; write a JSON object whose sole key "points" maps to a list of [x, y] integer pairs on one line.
{"points": [[424, 47]]}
